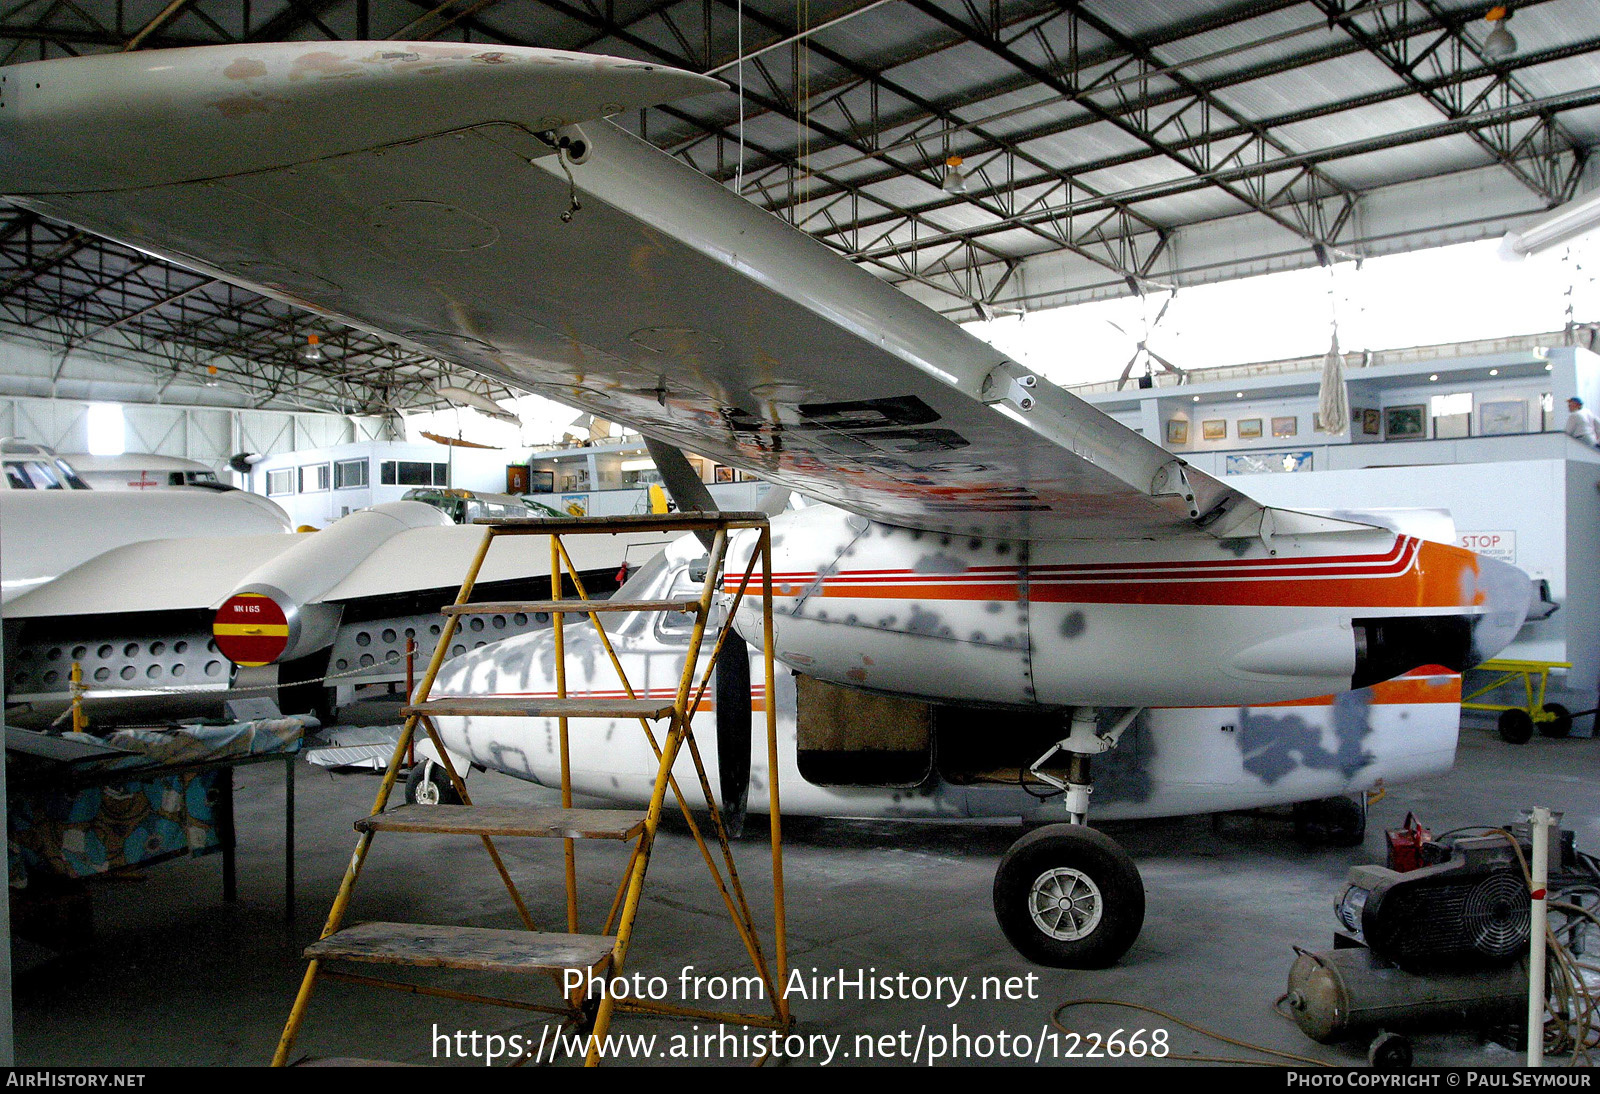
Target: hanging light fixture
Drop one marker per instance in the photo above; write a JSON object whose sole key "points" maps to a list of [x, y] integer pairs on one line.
{"points": [[313, 348], [1500, 42], [955, 179]]}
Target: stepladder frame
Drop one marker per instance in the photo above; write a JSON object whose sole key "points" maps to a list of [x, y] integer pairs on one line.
{"points": [[678, 739]]}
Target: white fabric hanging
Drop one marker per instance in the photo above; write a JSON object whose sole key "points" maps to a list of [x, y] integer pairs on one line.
{"points": [[1333, 399]]}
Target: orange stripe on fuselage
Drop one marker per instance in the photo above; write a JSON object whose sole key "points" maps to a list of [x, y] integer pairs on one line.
{"points": [[1418, 574]]}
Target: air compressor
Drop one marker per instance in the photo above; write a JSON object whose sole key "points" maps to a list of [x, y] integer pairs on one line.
{"points": [[1342, 994], [1440, 943]]}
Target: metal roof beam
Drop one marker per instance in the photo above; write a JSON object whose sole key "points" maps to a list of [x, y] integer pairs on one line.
{"points": [[928, 173], [1233, 133], [1300, 223], [1570, 101], [1534, 160], [1154, 99]]}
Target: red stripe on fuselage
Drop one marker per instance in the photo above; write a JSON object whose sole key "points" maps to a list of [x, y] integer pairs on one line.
{"points": [[1392, 578]]}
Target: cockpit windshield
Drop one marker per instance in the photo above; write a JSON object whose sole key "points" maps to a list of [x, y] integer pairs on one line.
{"points": [[32, 475], [70, 477]]}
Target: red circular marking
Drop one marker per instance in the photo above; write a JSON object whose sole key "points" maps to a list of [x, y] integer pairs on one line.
{"points": [[251, 629]]}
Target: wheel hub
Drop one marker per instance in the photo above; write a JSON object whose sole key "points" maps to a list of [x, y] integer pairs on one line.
{"points": [[1065, 904]]}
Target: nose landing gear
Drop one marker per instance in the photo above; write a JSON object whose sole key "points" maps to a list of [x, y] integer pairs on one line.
{"points": [[1066, 895]]}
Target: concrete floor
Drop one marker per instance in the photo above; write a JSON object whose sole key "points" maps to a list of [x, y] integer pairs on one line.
{"points": [[173, 976]]}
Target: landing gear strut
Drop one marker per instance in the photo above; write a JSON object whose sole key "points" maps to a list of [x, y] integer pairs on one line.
{"points": [[1066, 895], [429, 784]]}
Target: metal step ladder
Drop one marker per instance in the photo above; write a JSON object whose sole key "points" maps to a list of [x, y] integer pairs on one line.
{"points": [[551, 954]]}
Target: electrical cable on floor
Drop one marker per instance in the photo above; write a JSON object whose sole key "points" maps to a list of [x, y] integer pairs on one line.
{"points": [[1055, 1020]]}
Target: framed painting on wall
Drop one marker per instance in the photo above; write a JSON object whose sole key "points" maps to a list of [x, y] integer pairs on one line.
{"points": [[1285, 427], [1177, 431], [1371, 421], [1405, 423], [1249, 429], [1497, 419], [1214, 430]]}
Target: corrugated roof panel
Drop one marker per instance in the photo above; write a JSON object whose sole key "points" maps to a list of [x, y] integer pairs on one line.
{"points": [[1583, 124], [956, 218], [1189, 208], [963, 66], [1140, 20], [904, 192], [1022, 111], [1579, 73], [1365, 123], [1453, 153], [886, 33], [1150, 171], [1258, 40], [1084, 144], [1018, 242], [1332, 81]]}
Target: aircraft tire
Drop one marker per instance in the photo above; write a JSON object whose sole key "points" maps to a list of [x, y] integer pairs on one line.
{"points": [[1516, 726], [1068, 896], [1560, 724], [429, 784]]}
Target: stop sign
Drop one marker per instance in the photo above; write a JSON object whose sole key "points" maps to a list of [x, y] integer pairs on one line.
{"points": [[251, 629]]}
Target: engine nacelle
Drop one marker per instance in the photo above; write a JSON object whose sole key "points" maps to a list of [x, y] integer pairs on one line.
{"points": [[275, 613]]}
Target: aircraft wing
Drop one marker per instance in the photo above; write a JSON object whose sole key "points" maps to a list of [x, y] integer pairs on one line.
{"points": [[417, 191], [200, 572]]}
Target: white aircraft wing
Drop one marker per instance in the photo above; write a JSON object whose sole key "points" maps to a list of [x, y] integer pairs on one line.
{"points": [[199, 572], [416, 190]]}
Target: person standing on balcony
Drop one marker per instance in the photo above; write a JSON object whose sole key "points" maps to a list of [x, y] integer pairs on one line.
{"points": [[1582, 423]]}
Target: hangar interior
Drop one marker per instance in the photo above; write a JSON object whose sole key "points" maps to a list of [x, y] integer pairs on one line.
{"points": [[986, 160]]}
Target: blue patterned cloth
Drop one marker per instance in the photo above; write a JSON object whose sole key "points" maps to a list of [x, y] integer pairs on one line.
{"points": [[80, 833]]}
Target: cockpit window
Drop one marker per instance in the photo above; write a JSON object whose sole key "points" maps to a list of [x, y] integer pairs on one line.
{"points": [[43, 478], [679, 624], [16, 478], [70, 477]]}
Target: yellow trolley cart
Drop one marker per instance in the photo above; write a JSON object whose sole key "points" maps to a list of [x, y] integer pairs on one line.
{"points": [[1517, 722]]}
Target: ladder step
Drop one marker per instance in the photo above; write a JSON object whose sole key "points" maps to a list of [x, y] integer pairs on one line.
{"points": [[573, 607], [509, 820], [535, 706], [484, 949]]}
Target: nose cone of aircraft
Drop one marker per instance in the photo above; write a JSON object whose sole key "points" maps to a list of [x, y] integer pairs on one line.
{"points": [[1505, 594]]}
